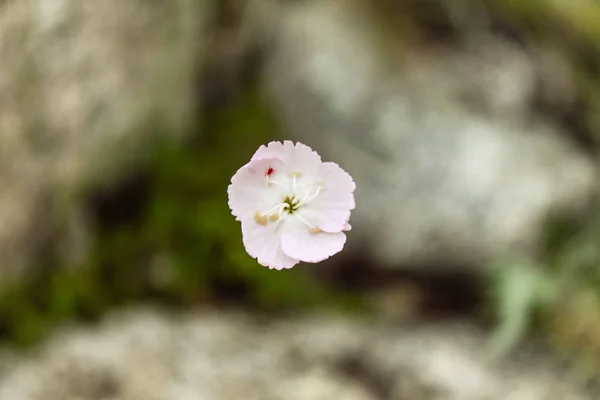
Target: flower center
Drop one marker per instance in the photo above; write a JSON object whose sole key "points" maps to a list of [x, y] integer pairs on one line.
{"points": [[291, 202]]}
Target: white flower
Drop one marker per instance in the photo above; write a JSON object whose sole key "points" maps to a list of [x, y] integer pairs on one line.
{"points": [[292, 206]]}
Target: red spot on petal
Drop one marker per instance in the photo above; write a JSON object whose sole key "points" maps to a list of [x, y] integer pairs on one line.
{"points": [[269, 171]]}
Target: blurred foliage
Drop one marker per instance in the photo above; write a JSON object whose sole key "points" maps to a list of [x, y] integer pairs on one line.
{"points": [[568, 30], [183, 249], [572, 316], [520, 290], [556, 296], [572, 30]]}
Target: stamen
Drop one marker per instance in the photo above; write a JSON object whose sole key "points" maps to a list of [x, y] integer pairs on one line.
{"points": [[315, 230], [307, 198], [268, 174], [272, 215], [306, 195], [260, 219], [311, 226], [277, 209], [295, 173], [275, 182]]}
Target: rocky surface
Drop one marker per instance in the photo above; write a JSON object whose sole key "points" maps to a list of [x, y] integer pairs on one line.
{"points": [[452, 165], [212, 355], [84, 89]]}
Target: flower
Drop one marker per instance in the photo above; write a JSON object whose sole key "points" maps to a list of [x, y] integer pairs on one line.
{"points": [[292, 206]]}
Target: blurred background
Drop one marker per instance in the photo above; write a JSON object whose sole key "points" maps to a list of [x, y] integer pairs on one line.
{"points": [[471, 128]]}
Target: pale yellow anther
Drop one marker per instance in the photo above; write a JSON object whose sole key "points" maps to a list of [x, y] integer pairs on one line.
{"points": [[315, 230], [297, 174], [273, 217], [260, 219]]}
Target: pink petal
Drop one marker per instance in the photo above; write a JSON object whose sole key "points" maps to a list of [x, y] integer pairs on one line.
{"points": [[347, 227], [249, 191], [284, 151], [298, 242], [263, 242], [325, 216], [330, 210], [339, 186], [298, 157]]}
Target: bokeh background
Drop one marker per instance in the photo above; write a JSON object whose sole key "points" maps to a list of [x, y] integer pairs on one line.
{"points": [[471, 128]]}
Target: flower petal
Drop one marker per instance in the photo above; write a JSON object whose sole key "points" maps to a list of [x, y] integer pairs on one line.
{"points": [[298, 157], [297, 241], [338, 186], [284, 151], [249, 190], [263, 242], [326, 217], [330, 210]]}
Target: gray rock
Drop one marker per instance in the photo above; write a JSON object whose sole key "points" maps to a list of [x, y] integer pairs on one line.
{"points": [[451, 164], [213, 355], [84, 86]]}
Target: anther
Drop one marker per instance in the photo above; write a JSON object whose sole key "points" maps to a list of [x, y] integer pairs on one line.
{"points": [[315, 230], [260, 219]]}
